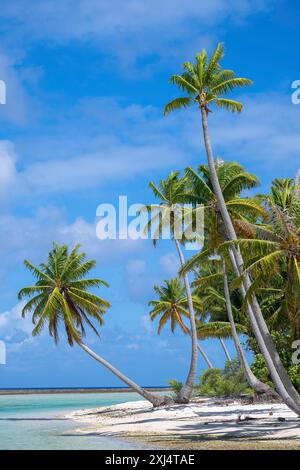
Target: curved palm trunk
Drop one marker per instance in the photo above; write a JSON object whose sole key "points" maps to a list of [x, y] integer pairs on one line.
{"points": [[258, 386], [279, 375], [205, 357], [200, 349], [277, 379], [156, 400], [187, 390], [225, 349]]}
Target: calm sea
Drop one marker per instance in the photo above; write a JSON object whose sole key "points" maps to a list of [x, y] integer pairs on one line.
{"points": [[37, 422]]}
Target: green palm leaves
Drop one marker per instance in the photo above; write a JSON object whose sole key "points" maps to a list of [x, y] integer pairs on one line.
{"points": [[172, 305], [276, 250], [173, 216], [60, 294], [206, 82], [244, 211], [218, 329]]}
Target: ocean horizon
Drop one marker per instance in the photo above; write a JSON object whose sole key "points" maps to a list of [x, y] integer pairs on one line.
{"points": [[52, 390]]}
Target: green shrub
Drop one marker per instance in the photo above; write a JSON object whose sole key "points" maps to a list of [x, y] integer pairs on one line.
{"points": [[283, 343], [294, 374], [223, 383], [175, 386]]}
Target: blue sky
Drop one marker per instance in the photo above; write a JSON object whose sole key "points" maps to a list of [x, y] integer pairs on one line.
{"points": [[83, 124]]}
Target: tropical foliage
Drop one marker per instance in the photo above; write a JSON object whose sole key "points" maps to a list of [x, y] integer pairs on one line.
{"points": [[172, 305], [229, 382], [244, 282], [205, 83], [60, 295]]}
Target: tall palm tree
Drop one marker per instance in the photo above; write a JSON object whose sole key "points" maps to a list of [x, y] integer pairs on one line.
{"points": [[172, 306], [60, 297], [233, 179], [172, 194], [206, 83]]}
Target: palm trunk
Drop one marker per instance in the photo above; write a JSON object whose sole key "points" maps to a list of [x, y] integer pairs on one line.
{"points": [[200, 349], [258, 386], [282, 391], [279, 375], [205, 357], [225, 350], [186, 392], [156, 400]]}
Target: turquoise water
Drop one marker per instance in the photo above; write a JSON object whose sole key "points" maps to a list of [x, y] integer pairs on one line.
{"points": [[37, 422]]}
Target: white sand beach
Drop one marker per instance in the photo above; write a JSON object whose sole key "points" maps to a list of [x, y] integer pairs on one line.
{"points": [[205, 418]]}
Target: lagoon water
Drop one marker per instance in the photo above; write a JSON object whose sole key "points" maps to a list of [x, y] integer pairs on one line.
{"points": [[37, 421]]}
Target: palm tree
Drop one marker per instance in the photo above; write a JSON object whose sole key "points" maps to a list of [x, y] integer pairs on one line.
{"points": [[233, 179], [60, 296], [206, 83], [277, 249], [172, 306], [226, 352], [172, 193], [285, 194], [217, 299]]}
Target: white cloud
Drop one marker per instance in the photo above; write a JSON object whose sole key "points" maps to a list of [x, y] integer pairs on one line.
{"points": [[141, 276], [86, 171], [146, 324], [133, 346], [139, 279], [170, 264], [105, 251], [93, 18], [15, 330], [131, 140], [8, 172], [32, 237], [17, 108], [126, 29], [266, 133]]}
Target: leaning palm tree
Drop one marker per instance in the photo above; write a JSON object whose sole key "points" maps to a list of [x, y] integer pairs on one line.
{"points": [[169, 214], [206, 83], [233, 179], [60, 297], [277, 250], [217, 299], [172, 306]]}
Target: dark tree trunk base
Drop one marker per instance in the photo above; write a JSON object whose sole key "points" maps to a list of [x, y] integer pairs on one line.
{"points": [[182, 401], [161, 401], [269, 396]]}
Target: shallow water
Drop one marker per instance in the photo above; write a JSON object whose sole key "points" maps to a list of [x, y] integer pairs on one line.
{"points": [[37, 422]]}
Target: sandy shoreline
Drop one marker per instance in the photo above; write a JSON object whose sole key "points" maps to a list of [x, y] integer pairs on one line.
{"points": [[205, 424]]}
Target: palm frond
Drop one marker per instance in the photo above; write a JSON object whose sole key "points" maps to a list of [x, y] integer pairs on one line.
{"points": [[218, 330], [229, 105], [178, 103], [229, 85], [184, 83]]}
